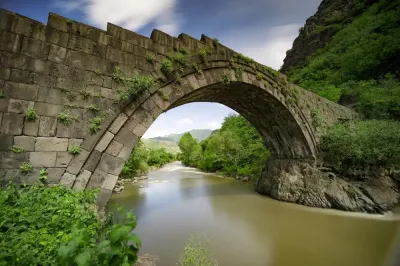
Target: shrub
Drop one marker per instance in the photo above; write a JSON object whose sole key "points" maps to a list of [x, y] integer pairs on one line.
{"points": [[183, 50], [196, 253], [74, 149], [26, 167], [149, 58], [43, 175], [30, 114], [203, 53], [166, 67], [197, 68], [65, 118], [259, 76], [135, 86], [93, 107], [16, 149], [94, 124], [362, 143], [180, 58]]}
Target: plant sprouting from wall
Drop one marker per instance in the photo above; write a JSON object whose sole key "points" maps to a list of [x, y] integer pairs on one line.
{"points": [[197, 68], [16, 149], [25, 167], [225, 79], [183, 50], [65, 118], [135, 86], [259, 76], [163, 95], [43, 175], [74, 149], [215, 42], [94, 124], [239, 74], [30, 114], [203, 53], [318, 119], [166, 67], [149, 58]]}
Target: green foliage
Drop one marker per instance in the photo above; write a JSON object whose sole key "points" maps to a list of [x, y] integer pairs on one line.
{"points": [[196, 254], [274, 73], [215, 42], [259, 76], [318, 119], [30, 114], [93, 107], [43, 176], [163, 95], [65, 118], [203, 53], [16, 149], [85, 94], [183, 50], [166, 67], [239, 74], [236, 150], [60, 226], [135, 86], [363, 143], [71, 96], [97, 71], [2, 94], [359, 55], [225, 79], [141, 159], [149, 58], [74, 149], [69, 21], [25, 167], [94, 124], [180, 58], [197, 68], [245, 59]]}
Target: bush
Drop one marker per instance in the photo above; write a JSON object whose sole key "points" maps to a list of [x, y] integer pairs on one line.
{"points": [[196, 253], [166, 67], [135, 86], [30, 114], [363, 143], [60, 226]]}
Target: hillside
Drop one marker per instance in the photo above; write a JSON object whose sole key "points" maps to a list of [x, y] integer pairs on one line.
{"points": [[168, 145], [349, 52], [198, 134]]}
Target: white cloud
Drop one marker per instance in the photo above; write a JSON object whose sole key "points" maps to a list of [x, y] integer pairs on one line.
{"points": [[185, 121], [266, 46], [130, 14], [214, 125]]}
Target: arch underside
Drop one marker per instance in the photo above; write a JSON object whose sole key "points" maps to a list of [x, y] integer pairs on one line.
{"points": [[276, 124]]}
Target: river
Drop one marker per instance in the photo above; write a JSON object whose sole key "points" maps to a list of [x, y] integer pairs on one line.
{"points": [[245, 228]]}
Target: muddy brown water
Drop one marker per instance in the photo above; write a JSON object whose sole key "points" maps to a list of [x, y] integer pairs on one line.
{"points": [[245, 228]]}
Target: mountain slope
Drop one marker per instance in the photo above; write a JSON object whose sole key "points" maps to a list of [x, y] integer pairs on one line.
{"points": [[198, 134]]}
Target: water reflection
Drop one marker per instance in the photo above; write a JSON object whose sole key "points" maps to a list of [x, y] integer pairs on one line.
{"points": [[246, 228]]}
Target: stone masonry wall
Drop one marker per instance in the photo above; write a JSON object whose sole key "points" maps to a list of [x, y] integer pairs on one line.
{"points": [[65, 72]]}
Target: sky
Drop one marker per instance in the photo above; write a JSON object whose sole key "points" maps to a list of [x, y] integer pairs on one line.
{"points": [[261, 29]]}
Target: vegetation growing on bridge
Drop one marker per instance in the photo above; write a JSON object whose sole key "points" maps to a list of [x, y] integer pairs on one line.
{"points": [[236, 150]]}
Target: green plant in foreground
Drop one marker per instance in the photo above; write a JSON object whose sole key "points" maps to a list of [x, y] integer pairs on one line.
{"points": [[166, 67], [65, 118], [30, 114], [43, 175], [16, 149], [196, 253], [74, 149], [149, 58], [94, 124], [26, 167]]}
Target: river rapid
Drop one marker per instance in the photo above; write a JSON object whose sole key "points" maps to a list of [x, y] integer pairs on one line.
{"points": [[245, 228]]}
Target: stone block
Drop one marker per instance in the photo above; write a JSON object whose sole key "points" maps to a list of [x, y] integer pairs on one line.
{"points": [[57, 54], [54, 175], [77, 162], [47, 126], [10, 42], [82, 180], [110, 164], [25, 142], [9, 160], [109, 93], [96, 179], [4, 104], [31, 127], [20, 76], [103, 198], [74, 142], [125, 153], [48, 109], [12, 123], [35, 48], [139, 130], [68, 180], [118, 123], [43, 159], [21, 91], [148, 105], [63, 159], [104, 141], [126, 137], [114, 148], [51, 144], [92, 161], [109, 182], [18, 106], [6, 142]]}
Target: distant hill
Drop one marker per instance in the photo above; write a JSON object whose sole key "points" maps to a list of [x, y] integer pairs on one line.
{"points": [[153, 144], [198, 134]]}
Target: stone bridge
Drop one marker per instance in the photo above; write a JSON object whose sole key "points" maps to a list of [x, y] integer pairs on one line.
{"points": [[60, 88]]}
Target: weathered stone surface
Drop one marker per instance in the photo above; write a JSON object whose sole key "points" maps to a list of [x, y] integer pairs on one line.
{"points": [[25, 142], [6, 142], [31, 127], [12, 160], [114, 148], [110, 164], [82, 180], [109, 182], [68, 180], [18, 106], [77, 162], [118, 123], [51, 144], [97, 179], [125, 153], [104, 141], [54, 175], [103, 197], [139, 130], [21, 91], [63, 159], [48, 109], [43, 159], [12, 124], [92, 161], [47, 126]]}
